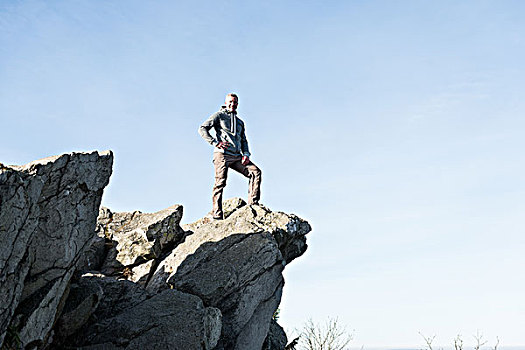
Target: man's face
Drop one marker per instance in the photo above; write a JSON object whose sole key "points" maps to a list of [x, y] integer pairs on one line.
{"points": [[231, 103]]}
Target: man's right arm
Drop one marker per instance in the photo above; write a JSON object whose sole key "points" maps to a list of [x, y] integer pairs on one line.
{"points": [[204, 130]]}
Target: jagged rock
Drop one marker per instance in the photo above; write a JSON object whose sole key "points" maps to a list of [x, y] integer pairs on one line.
{"points": [[287, 229], [128, 317], [236, 265], [48, 211], [138, 237], [276, 339], [246, 284], [214, 286]]}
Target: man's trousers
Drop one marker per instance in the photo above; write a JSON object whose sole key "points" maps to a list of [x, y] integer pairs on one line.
{"points": [[224, 161]]}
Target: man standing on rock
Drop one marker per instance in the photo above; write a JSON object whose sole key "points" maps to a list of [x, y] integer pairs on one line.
{"points": [[231, 151]]}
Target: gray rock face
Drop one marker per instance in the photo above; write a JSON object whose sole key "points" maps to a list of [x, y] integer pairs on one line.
{"points": [[138, 238], [241, 276], [236, 266], [129, 317], [207, 285], [288, 230], [48, 211]]}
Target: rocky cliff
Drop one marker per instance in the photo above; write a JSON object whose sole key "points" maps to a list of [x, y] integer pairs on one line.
{"points": [[77, 276], [48, 210]]}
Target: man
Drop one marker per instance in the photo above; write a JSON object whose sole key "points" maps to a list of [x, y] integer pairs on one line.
{"points": [[231, 151]]}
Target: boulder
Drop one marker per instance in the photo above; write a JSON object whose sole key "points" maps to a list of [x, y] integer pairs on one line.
{"points": [[288, 230], [129, 317], [236, 266], [242, 276], [48, 211], [137, 238]]}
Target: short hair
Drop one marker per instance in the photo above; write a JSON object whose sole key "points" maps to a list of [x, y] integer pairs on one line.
{"points": [[233, 95]]}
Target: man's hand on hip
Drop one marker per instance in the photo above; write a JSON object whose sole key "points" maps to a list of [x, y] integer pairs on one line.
{"points": [[223, 144], [245, 160]]}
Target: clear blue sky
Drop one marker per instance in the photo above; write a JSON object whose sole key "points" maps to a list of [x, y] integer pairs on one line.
{"points": [[395, 127]]}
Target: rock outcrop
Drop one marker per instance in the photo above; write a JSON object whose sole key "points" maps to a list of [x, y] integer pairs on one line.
{"points": [[137, 239], [136, 280], [232, 267], [120, 314], [244, 255], [48, 211]]}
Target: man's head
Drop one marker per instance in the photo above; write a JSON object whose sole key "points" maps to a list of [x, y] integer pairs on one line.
{"points": [[232, 101]]}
